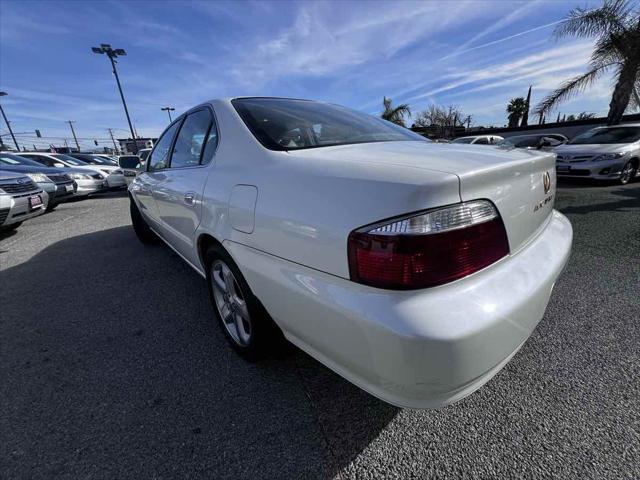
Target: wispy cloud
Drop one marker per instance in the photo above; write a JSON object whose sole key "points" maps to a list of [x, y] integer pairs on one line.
{"points": [[553, 60], [320, 43], [503, 39], [500, 24]]}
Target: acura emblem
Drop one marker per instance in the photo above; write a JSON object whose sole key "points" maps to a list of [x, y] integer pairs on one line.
{"points": [[546, 182]]}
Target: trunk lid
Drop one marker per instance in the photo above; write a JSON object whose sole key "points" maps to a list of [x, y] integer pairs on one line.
{"points": [[513, 179]]}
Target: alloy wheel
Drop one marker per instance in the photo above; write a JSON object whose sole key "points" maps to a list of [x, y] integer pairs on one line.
{"points": [[627, 173], [231, 304]]}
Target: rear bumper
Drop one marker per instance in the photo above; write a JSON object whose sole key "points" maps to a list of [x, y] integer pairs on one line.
{"points": [[418, 349]]}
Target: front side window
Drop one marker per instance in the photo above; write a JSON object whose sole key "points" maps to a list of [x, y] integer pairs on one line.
{"points": [[191, 140], [159, 158], [608, 135], [481, 141], [285, 124]]}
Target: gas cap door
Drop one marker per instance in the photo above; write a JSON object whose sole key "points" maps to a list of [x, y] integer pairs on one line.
{"points": [[242, 208]]}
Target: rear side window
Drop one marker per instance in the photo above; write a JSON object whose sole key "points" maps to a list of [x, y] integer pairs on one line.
{"points": [[482, 141], [192, 140], [159, 158]]}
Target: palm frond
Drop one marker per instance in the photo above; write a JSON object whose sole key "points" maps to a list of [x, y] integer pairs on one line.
{"points": [[570, 88], [607, 50], [583, 22]]}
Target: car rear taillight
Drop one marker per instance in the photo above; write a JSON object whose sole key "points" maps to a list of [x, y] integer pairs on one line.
{"points": [[428, 248]]}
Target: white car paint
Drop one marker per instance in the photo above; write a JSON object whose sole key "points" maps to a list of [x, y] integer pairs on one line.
{"points": [[285, 216]]}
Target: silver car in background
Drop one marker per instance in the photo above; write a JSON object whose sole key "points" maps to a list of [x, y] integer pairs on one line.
{"points": [[20, 200], [87, 180], [603, 153]]}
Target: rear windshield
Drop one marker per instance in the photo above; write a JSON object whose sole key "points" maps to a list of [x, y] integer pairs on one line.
{"points": [[284, 124], [608, 135], [9, 159]]}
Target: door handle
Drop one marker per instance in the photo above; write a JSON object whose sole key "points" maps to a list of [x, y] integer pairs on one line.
{"points": [[190, 198]]}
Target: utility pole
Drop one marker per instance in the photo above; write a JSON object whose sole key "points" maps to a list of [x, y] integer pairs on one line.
{"points": [[74, 134], [113, 54], [115, 148], [168, 110], [4, 94]]}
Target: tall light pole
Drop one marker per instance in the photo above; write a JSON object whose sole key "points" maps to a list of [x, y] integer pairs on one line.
{"points": [[114, 53], [4, 94], [168, 110], [74, 134]]}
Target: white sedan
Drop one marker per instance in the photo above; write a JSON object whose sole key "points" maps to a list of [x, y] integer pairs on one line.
{"points": [[415, 270]]}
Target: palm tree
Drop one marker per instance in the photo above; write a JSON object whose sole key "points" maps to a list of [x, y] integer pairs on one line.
{"points": [[395, 114], [616, 26], [516, 109]]}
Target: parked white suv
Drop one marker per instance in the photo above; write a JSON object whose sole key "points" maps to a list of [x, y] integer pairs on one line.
{"points": [[603, 153], [414, 270]]}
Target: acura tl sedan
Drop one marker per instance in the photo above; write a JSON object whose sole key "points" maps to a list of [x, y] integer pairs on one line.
{"points": [[415, 270], [602, 153]]}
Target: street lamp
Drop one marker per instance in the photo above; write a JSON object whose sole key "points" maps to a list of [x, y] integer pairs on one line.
{"points": [[113, 53], [4, 94], [168, 110]]}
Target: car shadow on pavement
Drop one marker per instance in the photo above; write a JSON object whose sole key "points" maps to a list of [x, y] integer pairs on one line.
{"points": [[120, 193], [113, 367], [626, 197]]}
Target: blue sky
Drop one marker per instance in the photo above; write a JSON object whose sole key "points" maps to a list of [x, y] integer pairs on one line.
{"points": [[473, 54]]}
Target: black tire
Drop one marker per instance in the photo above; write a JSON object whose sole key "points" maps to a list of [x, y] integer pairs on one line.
{"points": [[264, 334], [143, 232], [628, 172]]}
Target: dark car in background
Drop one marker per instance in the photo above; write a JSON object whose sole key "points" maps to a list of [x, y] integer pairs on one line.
{"points": [[538, 141], [58, 184]]}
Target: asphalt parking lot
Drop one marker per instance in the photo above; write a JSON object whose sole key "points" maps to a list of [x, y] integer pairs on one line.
{"points": [[111, 367]]}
